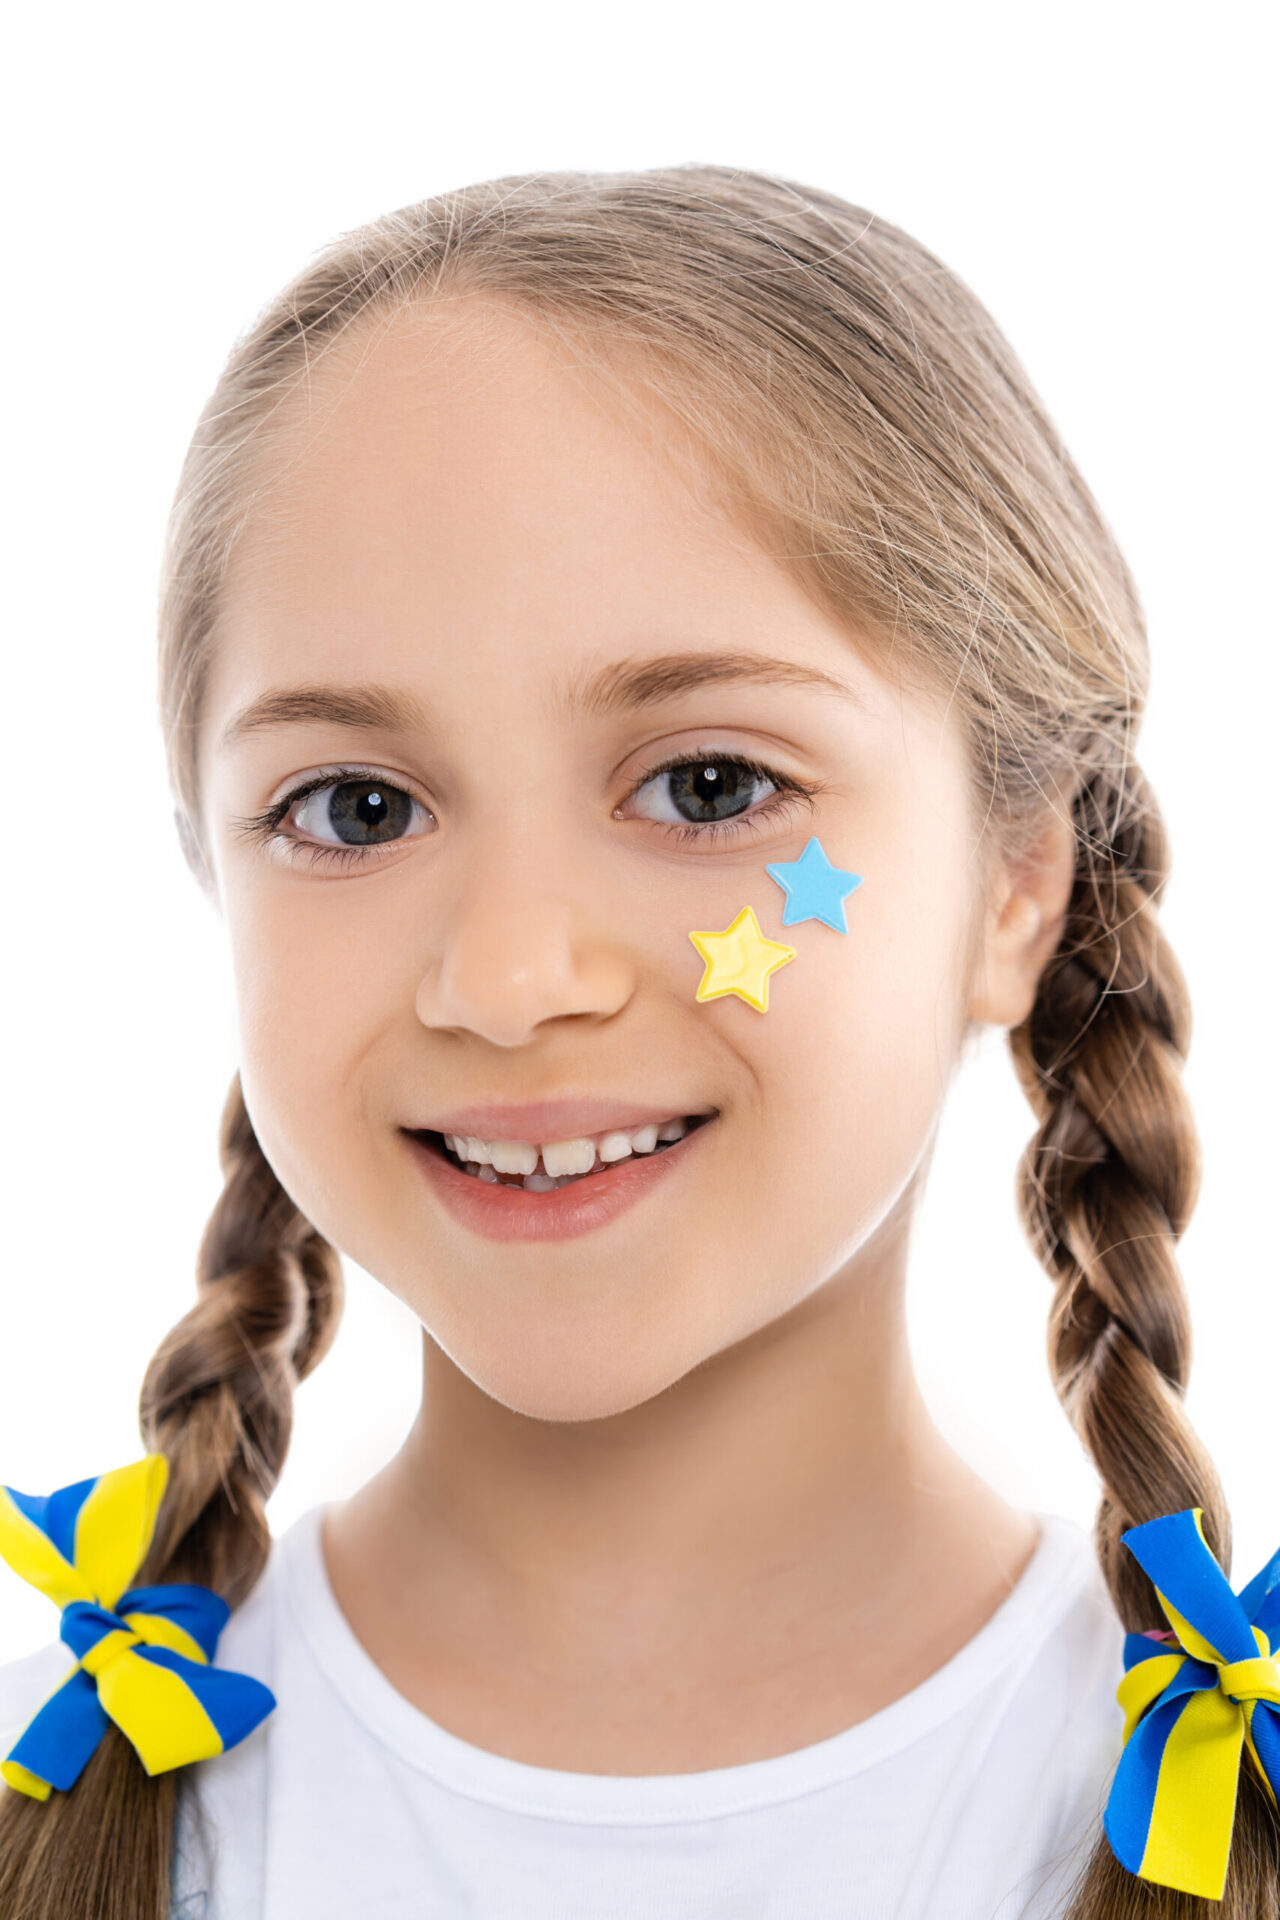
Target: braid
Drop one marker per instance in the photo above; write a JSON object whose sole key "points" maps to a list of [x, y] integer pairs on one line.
{"points": [[1105, 1189], [217, 1401], [217, 1398]]}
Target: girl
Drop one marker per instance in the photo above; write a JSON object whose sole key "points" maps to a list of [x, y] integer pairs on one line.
{"points": [[645, 685]]}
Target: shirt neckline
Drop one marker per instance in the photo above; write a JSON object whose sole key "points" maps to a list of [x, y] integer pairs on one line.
{"points": [[1061, 1565]]}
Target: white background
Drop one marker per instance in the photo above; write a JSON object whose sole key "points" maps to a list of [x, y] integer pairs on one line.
{"points": [[1097, 173]]}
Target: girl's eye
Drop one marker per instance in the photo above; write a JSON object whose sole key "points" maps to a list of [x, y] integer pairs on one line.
{"points": [[708, 792], [366, 812]]}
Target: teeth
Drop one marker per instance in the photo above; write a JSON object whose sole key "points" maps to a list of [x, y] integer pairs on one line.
{"points": [[546, 1166], [567, 1156], [513, 1156]]}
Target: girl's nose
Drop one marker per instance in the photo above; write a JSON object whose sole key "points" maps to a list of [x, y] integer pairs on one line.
{"points": [[513, 956]]}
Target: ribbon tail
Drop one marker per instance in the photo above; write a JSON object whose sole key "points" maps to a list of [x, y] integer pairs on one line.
{"points": [[57, 1743], [33, 1556], [1262, 1737], [174, 1710], [115, 1524], [1171, 1811]]}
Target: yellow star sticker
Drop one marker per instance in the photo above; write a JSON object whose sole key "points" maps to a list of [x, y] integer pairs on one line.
{"points": [[740, 960]]}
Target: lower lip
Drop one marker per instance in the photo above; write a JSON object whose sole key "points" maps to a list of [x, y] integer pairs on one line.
{"points": [[512, 1213]]}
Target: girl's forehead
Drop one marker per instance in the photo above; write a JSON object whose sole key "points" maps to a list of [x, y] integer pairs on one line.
{"points": [[450, 485], [461, 496], [460, 415]]}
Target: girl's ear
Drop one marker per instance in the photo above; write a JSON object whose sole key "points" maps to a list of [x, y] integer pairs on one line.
{"points": [[1026, 911]]}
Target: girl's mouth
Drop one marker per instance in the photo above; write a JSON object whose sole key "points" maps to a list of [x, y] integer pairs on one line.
{"points": [[541, 1182], [508, 1207]]}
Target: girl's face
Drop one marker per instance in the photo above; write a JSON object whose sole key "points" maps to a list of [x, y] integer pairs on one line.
{"points": [[465, 518]]}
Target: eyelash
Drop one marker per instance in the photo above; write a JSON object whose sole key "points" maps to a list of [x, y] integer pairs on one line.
{"points": [[263, 827]]}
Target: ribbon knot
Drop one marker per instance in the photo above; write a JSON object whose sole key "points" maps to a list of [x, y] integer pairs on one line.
{"points": [[1257, 1679], [143, 1654], [108, 1637], [1194, 1701]]}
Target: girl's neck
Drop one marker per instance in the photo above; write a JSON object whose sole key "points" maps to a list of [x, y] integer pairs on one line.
{"points": [[778, 1545]]}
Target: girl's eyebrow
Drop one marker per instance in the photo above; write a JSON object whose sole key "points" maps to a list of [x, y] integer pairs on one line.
{"points": [[622, 686]]}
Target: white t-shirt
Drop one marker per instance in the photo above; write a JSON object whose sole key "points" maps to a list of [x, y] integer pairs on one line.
{"points": [[976, 1796]]}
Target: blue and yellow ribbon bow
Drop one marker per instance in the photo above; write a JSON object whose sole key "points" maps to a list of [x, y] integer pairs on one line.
{"points": [[1190, 1709], [142, 1655]]}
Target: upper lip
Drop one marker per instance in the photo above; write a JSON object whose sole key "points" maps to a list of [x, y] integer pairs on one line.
{"points": [[546, 1120]]}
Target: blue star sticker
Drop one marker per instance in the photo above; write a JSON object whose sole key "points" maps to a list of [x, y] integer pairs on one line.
{"points": [[813, 887]]}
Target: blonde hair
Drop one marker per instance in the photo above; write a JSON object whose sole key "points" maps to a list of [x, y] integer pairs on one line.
{"points": [[866, 418]]}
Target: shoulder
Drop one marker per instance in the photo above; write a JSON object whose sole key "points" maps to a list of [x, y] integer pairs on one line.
{"points": [[223, 1810], [1072, 1731], [1078, 1661], [248, 1640], [1093, 1724], [1061, 1724], [1056, 1733]]}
